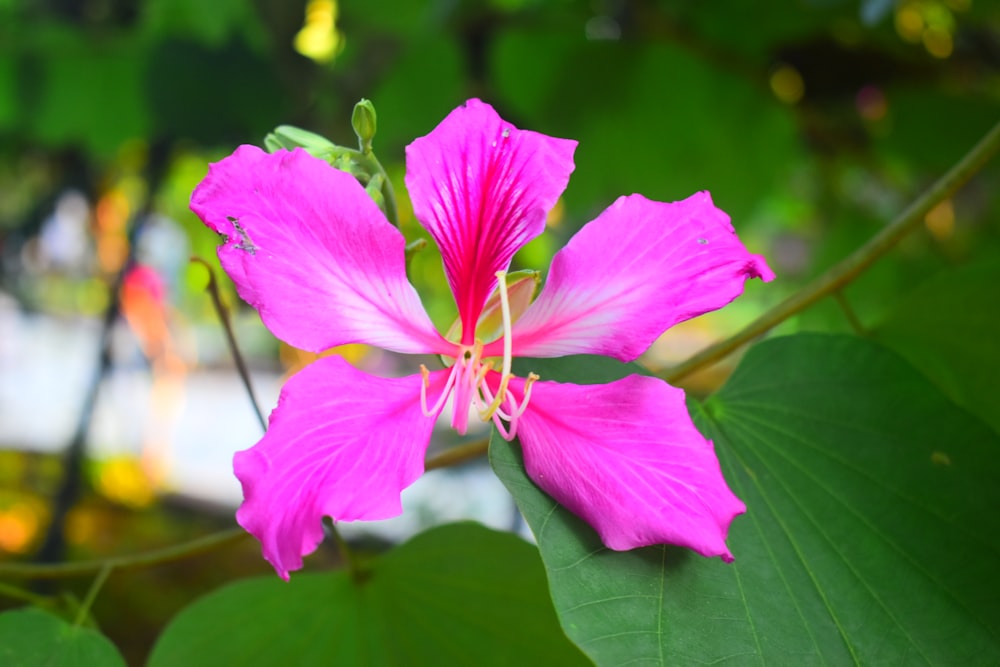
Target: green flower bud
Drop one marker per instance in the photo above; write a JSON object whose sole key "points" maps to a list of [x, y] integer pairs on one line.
{"points": [[364, 122]]}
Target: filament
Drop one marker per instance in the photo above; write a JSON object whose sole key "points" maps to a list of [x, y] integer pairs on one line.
{"points": [[426, 384]]}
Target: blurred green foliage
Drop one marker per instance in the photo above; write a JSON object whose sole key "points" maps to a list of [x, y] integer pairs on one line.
{"points": [[810, 122]]}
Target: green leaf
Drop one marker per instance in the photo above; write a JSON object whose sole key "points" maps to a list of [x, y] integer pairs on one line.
{"points": [[30, 637], [455, 595], [948, 328], [871, 534]]}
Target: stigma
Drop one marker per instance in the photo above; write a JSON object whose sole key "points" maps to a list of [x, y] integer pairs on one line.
{"points": [[470, 378]]}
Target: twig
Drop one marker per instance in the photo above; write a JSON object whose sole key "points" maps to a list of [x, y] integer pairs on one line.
{"points": [[854, 264], [220, 309], [95, 588], [154, 557], [15, 593], [457, 455], [852, 317]]}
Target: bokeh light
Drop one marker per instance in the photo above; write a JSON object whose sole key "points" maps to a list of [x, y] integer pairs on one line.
{"points": [[931, 23], [21, 519], [123, 480], [319, 39], [787, 84], [871, 103]]}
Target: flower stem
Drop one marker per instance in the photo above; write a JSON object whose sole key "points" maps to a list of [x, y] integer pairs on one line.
{"points": [[373, 166], [389, 194], [149, 558], [227, 327], [95, 588], [854, 264]]}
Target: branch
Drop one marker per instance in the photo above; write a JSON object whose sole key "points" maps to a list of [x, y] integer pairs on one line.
{"points": [[838, 276], [155, 557], [220, 309], [458, 454]]}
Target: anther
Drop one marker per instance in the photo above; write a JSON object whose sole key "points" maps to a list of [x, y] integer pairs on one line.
{"points": [[527, 396], [425, 384]]}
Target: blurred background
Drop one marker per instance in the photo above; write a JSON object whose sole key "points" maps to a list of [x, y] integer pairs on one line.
{"points": [[812, 122]]}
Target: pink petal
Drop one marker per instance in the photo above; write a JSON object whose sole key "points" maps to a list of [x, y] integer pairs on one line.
{"points": [[631, 274], [341, 443], [482, 188], [313, 253], [626, 458]]}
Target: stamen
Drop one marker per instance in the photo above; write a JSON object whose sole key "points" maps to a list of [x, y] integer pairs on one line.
{"points": [[527, 395], [502, 430], [426, 384], [487, 398], [469, 371], [509, 432], [483, 370]]}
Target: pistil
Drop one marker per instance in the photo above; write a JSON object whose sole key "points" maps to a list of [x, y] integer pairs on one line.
{"points": [[505, 373]]}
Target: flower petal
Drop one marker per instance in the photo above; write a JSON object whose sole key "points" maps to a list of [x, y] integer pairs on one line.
{"points": [[313, 253], [631, 274], [627, 458], [482, 188], [341, 443]]}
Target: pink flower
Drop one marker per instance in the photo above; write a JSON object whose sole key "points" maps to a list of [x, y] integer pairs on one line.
{"points": [[316, 257]]}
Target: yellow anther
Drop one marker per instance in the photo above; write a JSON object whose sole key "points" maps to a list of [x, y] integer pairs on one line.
{"points": [[527, 396], [424, 386]]}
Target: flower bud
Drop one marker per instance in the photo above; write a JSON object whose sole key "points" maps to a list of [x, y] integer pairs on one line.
{"points": [[363, 121]]}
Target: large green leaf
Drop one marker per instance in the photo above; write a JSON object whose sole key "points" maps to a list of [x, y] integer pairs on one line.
{"points": [[949, 329], [871, 534], [32, 637], [459, 594]]}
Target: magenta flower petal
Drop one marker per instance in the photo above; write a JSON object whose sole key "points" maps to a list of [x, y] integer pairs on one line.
{"points": [[631, 274], [342, 444], [308, 248], [482, 188], [626, 458]]}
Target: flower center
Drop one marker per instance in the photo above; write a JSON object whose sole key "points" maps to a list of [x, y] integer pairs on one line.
{"points": [[469, 382]]}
